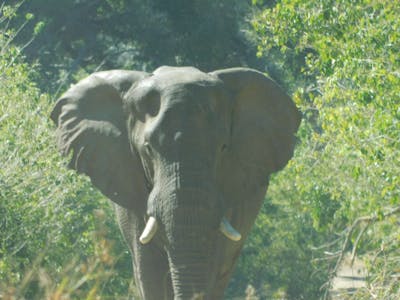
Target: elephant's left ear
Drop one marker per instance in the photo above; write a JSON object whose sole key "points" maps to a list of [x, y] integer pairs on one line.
{"points": [[91, 128], [264, 120]]}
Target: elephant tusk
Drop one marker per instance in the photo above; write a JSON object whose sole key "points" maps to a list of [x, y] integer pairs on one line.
{"points": [[231, 233], [149, 231]]}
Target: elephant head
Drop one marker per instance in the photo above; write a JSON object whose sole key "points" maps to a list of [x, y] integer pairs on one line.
{"points": [[188, 152]]}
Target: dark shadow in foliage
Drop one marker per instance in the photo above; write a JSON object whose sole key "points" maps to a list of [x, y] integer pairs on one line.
{"points": [[135, 34]]}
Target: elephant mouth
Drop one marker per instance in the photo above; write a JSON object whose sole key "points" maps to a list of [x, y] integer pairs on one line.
{"points": [[148, 174], [187, 194], [151, 228]]}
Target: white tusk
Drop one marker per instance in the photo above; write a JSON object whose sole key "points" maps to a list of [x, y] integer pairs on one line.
{"points": [[149, 231], [231, 233]]}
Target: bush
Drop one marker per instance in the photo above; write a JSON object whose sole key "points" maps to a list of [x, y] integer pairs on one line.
{"points": [[51, 242], [341, 61]]}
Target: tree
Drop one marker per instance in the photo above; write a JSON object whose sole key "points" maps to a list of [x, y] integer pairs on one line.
{"points": [[90, 35], [57, 235], [340, 59]]}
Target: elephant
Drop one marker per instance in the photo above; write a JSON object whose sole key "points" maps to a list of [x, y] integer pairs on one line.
{"points": [[186, 157]]}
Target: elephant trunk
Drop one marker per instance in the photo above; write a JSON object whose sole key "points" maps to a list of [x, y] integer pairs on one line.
{"points": [[191, 228], [191, 258], [189, 210], [191, 274]]}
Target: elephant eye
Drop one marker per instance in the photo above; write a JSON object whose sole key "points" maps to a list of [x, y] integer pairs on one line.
{"points": [[204, 108], [148, 104], [201, 108], [148, 149]]}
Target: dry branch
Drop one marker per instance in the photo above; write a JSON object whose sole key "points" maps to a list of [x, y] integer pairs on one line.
{"points": [[367, 220]]}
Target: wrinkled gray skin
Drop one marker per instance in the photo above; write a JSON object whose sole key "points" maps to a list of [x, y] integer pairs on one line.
{"points": [[187, 148]]}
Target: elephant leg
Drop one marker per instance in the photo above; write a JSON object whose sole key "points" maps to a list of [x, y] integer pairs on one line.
{"points": [[243, 216], [152, 273], [150, 263]]}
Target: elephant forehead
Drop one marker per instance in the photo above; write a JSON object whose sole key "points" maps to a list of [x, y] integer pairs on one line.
{"points": [[179, 77]]}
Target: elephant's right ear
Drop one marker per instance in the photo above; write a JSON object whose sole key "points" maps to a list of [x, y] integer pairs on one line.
{"points": [[91, 124]]}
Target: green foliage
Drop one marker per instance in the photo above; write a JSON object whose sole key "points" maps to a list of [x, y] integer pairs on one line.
{"points": [[132, 34], [51, 242], [277, 258], [355, 94], [341, 60]]}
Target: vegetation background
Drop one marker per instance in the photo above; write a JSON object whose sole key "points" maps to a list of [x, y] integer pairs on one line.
{"points": [[340, 61]]}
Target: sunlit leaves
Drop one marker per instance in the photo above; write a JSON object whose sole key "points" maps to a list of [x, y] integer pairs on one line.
{"points": [[354, 63], [342, 60], [46, 212]]}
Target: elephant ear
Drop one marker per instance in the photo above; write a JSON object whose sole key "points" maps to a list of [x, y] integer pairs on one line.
{"points": [[91, 128], [264, 123]]}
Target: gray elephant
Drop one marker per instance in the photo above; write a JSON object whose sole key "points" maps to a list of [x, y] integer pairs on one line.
{"points": [[186, 158]]}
